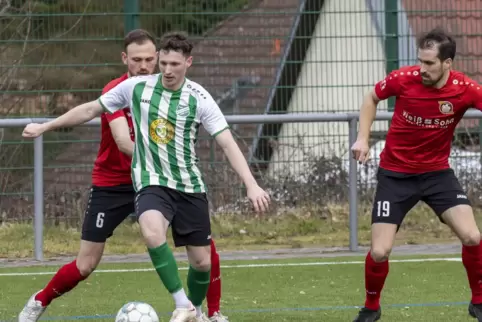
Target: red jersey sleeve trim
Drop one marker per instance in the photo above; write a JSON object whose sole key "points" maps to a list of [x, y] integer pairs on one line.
{"points": [[110, 117], [389, 86], [378, 91], [476, 95]]}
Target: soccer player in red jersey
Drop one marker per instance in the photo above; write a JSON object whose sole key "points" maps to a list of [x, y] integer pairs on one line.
{"points": [[431, 98], [112, 194]]}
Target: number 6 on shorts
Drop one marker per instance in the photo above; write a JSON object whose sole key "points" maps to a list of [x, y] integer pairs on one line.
{"points": [[99, 223]]}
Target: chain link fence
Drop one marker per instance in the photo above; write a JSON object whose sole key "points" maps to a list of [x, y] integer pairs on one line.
{"points": [[254, 56]]}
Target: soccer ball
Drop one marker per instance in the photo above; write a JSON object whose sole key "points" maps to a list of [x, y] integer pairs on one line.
{"points": [[136, 312]]}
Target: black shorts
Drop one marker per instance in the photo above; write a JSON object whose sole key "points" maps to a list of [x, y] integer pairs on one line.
{"points": [[187, 213], [397, 193], [106, 209]]}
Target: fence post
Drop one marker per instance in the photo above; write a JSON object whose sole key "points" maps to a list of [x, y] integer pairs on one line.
{"points": [[212, 165], [391, 41], [352, 184], [38, 197], [131, 18]]}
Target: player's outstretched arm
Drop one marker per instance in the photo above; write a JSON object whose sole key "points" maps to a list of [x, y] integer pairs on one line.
{"points": [[120, 132], [256, 195], [76, 116]]}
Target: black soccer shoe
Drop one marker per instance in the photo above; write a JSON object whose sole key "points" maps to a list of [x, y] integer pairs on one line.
{"points": [[367, 315], [475, 311]]}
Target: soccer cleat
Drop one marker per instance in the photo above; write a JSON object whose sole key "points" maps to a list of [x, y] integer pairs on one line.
{"points": [[184, 315], [367, 315], [32, 310], [202, 318], [218, 317], [475, 311]]}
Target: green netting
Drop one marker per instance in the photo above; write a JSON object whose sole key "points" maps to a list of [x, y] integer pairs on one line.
{"points": [[254, 56]]}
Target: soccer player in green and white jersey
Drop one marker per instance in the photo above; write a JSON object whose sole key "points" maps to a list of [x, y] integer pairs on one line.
{"points": [[167, 110]]}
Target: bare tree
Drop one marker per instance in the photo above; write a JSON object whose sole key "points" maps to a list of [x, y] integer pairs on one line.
{"points": [[25, 92]]}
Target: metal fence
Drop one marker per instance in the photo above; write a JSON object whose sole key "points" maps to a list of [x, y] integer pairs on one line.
{"points": [[56, 54], [254, 56], [304, 118]]}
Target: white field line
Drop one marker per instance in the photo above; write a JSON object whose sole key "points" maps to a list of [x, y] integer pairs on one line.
{"points": [[334, 263]]}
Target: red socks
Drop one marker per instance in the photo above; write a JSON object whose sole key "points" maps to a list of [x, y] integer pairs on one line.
{"points": [[375, 276], [471, 258], [67, 277], [213, 297]]}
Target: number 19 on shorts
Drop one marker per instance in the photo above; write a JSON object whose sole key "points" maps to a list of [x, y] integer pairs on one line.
{"points": [[383, 208]]}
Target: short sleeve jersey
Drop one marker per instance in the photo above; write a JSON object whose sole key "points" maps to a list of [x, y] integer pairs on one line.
{"points": [[112, 167], [420, 135], [166, 125]]}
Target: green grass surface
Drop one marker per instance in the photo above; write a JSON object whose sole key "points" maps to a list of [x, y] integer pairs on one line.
{"points": [[303, 290]]}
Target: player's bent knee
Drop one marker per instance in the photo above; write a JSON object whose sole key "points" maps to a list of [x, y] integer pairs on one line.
{"points": [[199, 258], [202, 265], [470, 238], [380, 254], [153, 228], [383, 236], [89, 257], [86, 267]]}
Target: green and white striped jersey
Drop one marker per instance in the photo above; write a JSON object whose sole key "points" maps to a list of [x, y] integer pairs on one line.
{"points": [[166, 126]]}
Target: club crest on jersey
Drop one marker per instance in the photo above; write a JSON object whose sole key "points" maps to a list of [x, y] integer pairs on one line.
{"points": [[161, 131], [182, 110], [446, 107]]}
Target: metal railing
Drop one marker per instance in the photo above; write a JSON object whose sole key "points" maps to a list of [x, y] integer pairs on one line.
{"points": [[351, 118]]}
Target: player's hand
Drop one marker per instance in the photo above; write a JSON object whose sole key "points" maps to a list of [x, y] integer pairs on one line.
{"points": [[361, 151], [259, 198], [33, 130]]}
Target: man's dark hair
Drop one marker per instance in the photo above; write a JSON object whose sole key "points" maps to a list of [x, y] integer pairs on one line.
{"points": [[138, 36], [176, 41], [438, 38]]}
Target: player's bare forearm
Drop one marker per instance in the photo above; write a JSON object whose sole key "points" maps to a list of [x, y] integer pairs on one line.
{"points": [[120, 132], [239, 164], [236, 158], [368, 112], [76, 116], [127, 148]]}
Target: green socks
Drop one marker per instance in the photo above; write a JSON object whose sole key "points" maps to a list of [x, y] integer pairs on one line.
{"points": [[197, 284], [166, 267]]}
